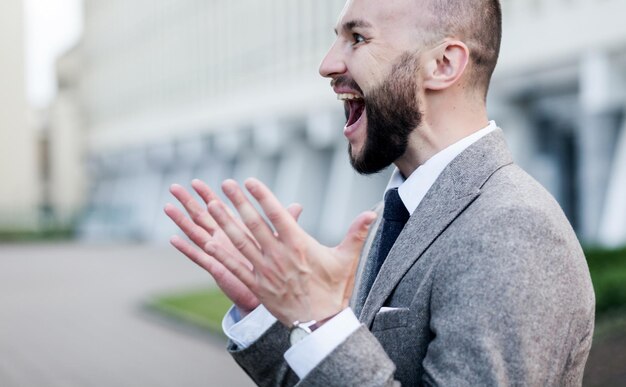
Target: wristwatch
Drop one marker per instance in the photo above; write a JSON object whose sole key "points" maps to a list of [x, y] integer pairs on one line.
{"points": [[300, 330]]}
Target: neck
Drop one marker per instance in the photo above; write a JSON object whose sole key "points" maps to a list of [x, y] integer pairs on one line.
{"points": [[443, 124]]}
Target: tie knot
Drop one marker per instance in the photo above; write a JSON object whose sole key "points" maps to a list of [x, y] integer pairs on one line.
{"points": [[394, 208]]}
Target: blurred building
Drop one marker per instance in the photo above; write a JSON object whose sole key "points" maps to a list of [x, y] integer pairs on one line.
{"points": [[172, 90], [560, 95], [19, 146], [212, 89], [65, 139]]}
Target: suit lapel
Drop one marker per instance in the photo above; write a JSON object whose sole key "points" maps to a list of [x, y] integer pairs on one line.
{"points": [[454, 190]]}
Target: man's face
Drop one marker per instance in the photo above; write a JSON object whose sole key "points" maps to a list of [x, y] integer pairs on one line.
{"points": [[373, 66]]}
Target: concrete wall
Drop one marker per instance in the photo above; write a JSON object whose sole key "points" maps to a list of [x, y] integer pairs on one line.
{"points": [[19, 187], [66, 183]]}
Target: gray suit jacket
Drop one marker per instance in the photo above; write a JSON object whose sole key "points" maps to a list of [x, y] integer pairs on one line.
{"points": [[486, 285]]}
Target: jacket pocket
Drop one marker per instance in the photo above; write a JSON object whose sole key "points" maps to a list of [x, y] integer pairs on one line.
{"points": [[389, 318]]}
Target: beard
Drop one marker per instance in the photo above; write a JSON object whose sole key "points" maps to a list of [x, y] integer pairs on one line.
{"points": [[393, 112]]}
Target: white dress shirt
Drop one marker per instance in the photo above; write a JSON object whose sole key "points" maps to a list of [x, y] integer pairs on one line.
{"points": [[310, 351]]}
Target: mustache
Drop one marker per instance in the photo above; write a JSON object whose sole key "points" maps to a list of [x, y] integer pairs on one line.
{"points": [[346, 81]]}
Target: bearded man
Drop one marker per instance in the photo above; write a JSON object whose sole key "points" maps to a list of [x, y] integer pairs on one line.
{"points": [[470, 274]]}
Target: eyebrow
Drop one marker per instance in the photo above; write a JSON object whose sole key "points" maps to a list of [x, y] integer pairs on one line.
{"points": [[352, 24]]}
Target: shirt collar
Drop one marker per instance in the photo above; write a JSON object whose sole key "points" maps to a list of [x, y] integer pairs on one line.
{"points": [[413, 189]]}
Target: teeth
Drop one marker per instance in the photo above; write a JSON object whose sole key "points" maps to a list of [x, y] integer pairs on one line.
{"points": [[347, 96]]}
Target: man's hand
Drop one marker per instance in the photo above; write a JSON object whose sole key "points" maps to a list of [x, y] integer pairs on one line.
{"points": [[294, 276], [201, 228]]}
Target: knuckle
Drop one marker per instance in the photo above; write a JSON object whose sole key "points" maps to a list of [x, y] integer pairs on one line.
{"points": [[195, 216], [193, 234], [240, 244], [254, 224], [360, 236], [218, 274], [274, 216]]}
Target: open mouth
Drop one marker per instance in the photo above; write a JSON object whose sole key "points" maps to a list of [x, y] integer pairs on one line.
{"points": [[354, 106]]}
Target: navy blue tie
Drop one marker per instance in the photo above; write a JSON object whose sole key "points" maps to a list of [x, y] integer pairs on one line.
{"points": [[395, 216]]}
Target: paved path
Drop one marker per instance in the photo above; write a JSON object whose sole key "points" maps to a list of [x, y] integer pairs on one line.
{"points": [[70, 315]]}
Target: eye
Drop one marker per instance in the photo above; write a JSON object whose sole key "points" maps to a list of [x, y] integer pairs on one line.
{"points": [[357, 38]]}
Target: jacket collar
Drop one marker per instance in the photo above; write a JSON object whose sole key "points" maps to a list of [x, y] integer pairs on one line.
{"points": [[458, 185]]}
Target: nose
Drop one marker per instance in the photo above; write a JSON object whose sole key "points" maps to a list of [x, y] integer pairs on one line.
{"points": [[333, 63]]}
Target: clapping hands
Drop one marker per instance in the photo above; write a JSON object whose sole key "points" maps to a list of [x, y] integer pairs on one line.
{"points": [[276, 263]]}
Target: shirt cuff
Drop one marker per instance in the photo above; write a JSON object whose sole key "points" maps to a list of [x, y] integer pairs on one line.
{"points": [[306, 354], [246, 331]]}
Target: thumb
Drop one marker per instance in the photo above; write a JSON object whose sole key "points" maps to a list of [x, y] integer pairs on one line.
{"points": [[357, 233]]}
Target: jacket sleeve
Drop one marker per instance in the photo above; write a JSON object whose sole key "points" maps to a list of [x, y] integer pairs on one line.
{"points": [[512, 306], [358, 361], [263, 361]]}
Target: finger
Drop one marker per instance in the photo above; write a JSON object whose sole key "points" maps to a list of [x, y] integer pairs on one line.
{"points": [[197, 234], [285, 224], [254, 222], [197, 212], [295, 210], [357, 233], [204, 191], [207, 194], [201, 258], [234, 289], [234, 266], [238, 237]]}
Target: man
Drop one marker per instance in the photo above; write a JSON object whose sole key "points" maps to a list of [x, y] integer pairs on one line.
{"points": [[469, 275]]}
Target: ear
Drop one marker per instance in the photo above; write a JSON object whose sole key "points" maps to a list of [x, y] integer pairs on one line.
{"points": [[445, 65]]}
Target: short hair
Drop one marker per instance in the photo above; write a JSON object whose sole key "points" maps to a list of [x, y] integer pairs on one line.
{"points": [[477, 23]]}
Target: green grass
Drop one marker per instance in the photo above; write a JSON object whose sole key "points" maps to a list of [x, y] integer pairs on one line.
{"points": [[50, 234], [608, 274], [206, 307]]}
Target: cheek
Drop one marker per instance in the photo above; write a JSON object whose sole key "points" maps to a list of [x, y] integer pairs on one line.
{"points": [[383, 59], [368, 68]]}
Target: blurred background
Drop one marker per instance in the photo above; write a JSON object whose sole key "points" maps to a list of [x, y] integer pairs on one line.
{"points": [[105, 103]]}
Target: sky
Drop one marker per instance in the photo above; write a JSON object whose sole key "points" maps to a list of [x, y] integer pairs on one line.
{"points": [[52, 26]]}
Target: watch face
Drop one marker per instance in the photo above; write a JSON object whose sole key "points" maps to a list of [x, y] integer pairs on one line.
{"points": [[297, 334]]}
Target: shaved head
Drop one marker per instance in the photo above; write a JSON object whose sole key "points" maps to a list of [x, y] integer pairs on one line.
{"points": [[407, 68], [477, 23]]}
